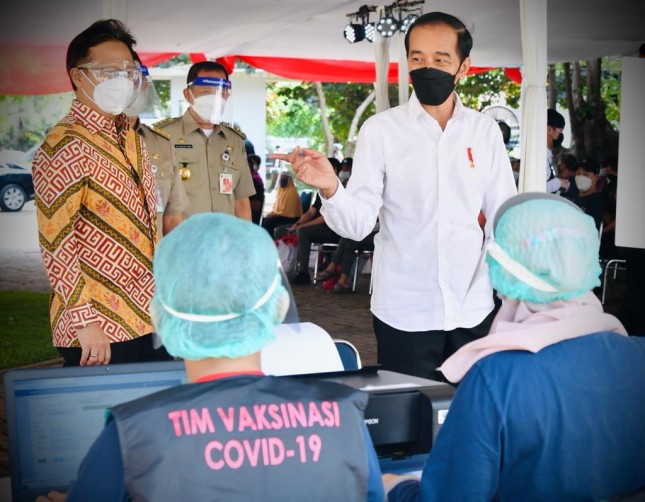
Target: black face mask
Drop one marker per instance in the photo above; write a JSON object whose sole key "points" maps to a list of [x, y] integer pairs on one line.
{"points": [[432, 86], [557, 142]]}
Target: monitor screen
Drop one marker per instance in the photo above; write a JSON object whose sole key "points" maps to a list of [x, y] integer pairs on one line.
{"points": [[54, 416]]}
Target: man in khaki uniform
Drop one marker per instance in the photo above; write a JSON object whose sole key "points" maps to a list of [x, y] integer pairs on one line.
{"points": [[170, 196], [210, 155]]}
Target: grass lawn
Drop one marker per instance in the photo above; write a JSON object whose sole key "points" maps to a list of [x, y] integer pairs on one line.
{"points": [[25, 334]]}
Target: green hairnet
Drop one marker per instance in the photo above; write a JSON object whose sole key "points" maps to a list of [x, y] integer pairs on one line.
{"points": [[544, 249], [218, 289]]}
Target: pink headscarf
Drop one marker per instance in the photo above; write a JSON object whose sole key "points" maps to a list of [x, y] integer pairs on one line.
{"points": [[531, 327]]}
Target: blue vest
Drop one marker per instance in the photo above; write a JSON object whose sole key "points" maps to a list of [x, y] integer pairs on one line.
{"points": [[245, 438]]}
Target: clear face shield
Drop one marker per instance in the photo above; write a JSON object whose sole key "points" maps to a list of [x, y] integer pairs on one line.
{"points": [[212, 99], [147, 104]]}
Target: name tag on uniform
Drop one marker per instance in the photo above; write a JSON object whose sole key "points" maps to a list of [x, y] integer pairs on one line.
{"points": [[183, 146], [159, 200], [225, 183]]}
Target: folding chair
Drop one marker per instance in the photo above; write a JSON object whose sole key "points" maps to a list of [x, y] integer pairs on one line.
{"points": [[367, 254], [321, 248], [616, 264]]}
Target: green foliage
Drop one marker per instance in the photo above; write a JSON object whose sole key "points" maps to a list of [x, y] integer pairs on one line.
{"points": [[25, 334], [609, 89], [481, 90], [177, 60], [163, 90], [24, 120], [293, 109], [342, 102]]}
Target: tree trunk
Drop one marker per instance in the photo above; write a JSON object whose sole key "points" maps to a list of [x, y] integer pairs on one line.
{"points": [[552, 91], [601, 140], [325, 119], [351, 135], [577, 139], [593, 137]]}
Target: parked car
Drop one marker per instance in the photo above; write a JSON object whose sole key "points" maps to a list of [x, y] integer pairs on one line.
{"points": [[16, 182], [16, 187]]}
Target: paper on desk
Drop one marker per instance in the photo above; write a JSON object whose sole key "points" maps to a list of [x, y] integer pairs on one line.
{"points": [[300, 348]]}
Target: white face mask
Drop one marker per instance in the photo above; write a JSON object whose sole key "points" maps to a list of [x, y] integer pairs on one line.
{"points": [[583, 183], [114, 95], [209, 107]]}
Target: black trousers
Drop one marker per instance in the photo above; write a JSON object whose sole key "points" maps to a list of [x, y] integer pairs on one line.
{"points": [[420, 353], [139, 350]]}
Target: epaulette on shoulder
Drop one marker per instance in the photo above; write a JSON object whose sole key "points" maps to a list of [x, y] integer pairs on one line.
{"points": [[164, 122], [236, 129], [161, 133]]}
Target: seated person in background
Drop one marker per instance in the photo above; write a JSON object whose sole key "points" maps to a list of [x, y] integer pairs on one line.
{"points": [[287, 207], [308, 231], [550, 404], [567, 167], [590, 200], [311, 227], [232, 433], [257, 200], [345, 170], [344, 257]]}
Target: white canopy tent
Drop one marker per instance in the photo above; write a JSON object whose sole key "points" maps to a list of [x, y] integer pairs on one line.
{"points": [[575, 29], [508, 33]]}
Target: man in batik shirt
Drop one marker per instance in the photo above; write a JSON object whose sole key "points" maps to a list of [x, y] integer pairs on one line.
{"points": [[96, 209]]}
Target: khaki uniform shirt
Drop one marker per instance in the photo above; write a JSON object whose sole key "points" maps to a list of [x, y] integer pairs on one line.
{"points": [[170, 196], [206, 164]]}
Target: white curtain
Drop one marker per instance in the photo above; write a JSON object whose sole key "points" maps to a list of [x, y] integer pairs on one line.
{"points": [[533, 132], [382, 59], [404, 88]]}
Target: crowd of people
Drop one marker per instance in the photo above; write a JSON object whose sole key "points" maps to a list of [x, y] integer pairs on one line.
{"points": [[549, 399]]}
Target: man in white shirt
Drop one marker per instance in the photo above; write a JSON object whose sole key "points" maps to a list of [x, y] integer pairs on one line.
{"points": [[427, 169]]}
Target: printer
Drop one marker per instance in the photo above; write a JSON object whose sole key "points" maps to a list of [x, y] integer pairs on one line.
{"points": [[403, 415]]}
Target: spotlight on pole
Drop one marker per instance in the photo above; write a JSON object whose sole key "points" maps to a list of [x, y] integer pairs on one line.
{"points": [[370, 32], [354, 33], [387, 25], [407, 22]]}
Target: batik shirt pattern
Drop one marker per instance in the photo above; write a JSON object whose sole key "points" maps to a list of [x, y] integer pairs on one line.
{"points": [[96, 225]]}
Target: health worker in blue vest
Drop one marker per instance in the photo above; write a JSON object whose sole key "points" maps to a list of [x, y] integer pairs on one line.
{"points": [[232, 433], [550, 404]]}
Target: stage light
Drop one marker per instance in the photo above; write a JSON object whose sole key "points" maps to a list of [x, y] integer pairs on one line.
{"points": [[354, 33], [370, 32], [387, 26], [398, 16], [409, 19]]}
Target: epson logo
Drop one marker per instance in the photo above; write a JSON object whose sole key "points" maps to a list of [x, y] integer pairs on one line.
{"points": [[371, 421]]}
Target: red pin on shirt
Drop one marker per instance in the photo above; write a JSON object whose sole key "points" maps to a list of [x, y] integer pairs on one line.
{"points": [[470, 157]]}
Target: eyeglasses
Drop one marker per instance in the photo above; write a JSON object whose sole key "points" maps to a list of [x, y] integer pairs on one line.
{"points": [[103, 71]]}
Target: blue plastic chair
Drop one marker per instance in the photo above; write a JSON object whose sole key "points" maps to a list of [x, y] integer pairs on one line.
{"points": [[348, 355]]}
